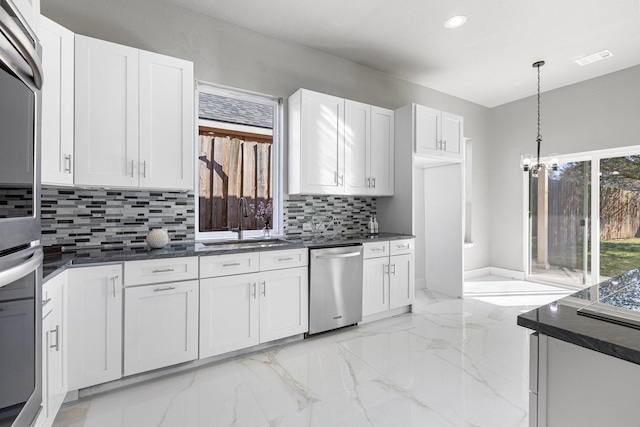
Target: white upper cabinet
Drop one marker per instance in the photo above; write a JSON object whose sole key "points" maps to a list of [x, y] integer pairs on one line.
{"points": [[452, 135], [381, 161], [166, 121], [106, 124], [338, 146], [316, 143], [57, 102], [134, 117], [30, 11], [438, 133], [357, 142]]}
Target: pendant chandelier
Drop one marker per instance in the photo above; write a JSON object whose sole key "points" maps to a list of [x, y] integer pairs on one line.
{"points": [[528, 164]]}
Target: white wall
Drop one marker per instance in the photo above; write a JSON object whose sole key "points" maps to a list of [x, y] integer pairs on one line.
{"points": [[230, 55], [596, 114]]}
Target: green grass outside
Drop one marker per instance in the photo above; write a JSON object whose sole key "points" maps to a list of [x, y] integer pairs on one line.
{"points": [[619, 256]]}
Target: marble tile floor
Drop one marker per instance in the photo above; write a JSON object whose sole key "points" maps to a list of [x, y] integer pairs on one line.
{"points": [[452, 362]]}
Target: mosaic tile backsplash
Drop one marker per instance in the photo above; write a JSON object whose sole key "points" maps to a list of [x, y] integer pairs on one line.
{"points": [[352, 213], [97, 217]]}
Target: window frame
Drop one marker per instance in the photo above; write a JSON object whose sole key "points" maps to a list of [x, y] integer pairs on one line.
{"points": [[278, 159]]}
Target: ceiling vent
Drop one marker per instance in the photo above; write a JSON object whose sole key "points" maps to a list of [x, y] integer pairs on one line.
{"points": [[594, 57]]}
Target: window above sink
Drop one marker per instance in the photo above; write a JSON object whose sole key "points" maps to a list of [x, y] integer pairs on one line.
{"points": [[238, 156]]}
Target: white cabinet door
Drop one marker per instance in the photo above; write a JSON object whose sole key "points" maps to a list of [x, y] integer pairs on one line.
{"points": [[452, 135], [402, 280], [166, 122], [229, 314], [94, 325], [322, 143], [160, 325], [56, 358], [284, 303], [57, 102], [106, 113], [427, 131], [382, 150], [375, 287], [357, 145]]}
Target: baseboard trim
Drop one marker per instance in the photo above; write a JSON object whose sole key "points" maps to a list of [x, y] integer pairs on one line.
{"points": [[493, 271]]}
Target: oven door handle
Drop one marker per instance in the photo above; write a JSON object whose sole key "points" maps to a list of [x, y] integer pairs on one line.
{"points": [[19, 271], [10, 29]]}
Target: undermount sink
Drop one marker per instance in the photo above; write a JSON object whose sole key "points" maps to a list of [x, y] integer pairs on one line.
{"points": [[246, 244]]}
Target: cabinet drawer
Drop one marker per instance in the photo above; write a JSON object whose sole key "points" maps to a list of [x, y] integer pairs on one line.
{"points": [[225, 265], [376, 249], [401, 247], [160, 270], [273, 260]]}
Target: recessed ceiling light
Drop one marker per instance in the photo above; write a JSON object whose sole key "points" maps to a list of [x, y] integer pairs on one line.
{"points": [[455, 21], [594, 57]]}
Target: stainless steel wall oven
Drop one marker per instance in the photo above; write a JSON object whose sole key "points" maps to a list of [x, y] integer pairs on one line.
{"points": [[20, 251]]}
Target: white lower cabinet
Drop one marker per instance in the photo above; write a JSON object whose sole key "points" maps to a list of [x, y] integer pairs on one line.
{"points": [[229, 314], [244, 310], [284, 303], [388, 276], [54, 366], [160, 325], [94, 325]]}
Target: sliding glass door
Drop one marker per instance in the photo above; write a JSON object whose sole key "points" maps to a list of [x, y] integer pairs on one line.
{"points": [[584, 218], [619, 215], [559, 206]]}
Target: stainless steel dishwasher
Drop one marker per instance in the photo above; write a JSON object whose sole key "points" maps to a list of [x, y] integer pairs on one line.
{"points": [[335, 288]]}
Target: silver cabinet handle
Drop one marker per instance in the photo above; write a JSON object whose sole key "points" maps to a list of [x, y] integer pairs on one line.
{"points": [[254, 290], [340, 180], [45, 302], [57, 332], [168, 288], [369, 182], [132, 166], [383, 249], [335, 177], [19, 271], [144, 168], [166, 270], [347, 255], [445, 145], [407, 246], [285, 259], [393, 271], [374, 182], [232, 264], [113, 282], [264, 288], [67, 159]]}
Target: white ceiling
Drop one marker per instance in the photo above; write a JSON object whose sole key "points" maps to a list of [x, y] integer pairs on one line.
{"points": [[487, 61]]}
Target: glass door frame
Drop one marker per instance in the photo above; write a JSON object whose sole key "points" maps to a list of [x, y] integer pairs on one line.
{"points": [[594, 157]]}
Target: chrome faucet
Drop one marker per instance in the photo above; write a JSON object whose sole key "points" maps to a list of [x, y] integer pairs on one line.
{"points": [[243, 212]]}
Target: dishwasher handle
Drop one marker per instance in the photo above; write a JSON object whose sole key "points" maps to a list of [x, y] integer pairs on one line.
{"points": [[347, 255]]}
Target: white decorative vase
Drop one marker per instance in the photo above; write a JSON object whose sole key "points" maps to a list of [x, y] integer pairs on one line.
{"points": [[157, 238]]}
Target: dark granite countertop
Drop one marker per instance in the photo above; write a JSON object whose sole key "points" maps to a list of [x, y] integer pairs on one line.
{"points": [[568, 319], [57, 258]]}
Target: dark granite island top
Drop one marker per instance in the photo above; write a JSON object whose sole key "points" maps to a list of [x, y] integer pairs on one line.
{"points": [[604, 317], [57, 258]]}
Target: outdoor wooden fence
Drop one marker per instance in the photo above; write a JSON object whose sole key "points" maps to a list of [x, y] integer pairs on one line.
{"points": [[231, 168], [619, 218]]}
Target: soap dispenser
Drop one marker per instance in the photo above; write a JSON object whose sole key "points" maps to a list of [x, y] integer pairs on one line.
{"points": [[372, 227]]}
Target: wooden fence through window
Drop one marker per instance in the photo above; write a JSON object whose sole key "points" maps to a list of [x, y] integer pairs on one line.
{"points": [[232, 166]]}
